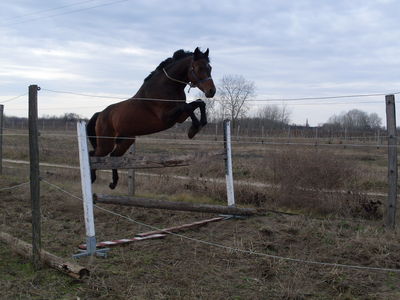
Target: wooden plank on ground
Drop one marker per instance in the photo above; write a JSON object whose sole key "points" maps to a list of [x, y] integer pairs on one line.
{"points": [[180, 227], [120, 242]]}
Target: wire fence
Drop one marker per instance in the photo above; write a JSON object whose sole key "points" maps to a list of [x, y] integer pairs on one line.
{"points": [[8, 188], [239, 140], [231, 249], [198, 142], [248, 100]]}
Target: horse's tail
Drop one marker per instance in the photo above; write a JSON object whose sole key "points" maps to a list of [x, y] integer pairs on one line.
{"points": [[91, 130]]}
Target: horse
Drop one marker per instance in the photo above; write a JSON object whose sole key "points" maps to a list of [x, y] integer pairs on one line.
{"points": [[159, 104]]}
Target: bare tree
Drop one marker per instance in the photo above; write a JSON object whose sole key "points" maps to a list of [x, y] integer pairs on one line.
{"points": [[233, 92], [356, 119], [274, 114]]}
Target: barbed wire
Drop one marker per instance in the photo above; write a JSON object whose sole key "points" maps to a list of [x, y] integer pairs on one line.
{"points": [[327, 97], [231, 249], [47, 10], [13, 98], [113, 97], [317, 141], [210, 137], [248, 100], [64, 13], [14, 186]]}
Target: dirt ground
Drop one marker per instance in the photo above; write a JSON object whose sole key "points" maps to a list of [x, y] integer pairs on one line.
{"points": [[203, 263]]}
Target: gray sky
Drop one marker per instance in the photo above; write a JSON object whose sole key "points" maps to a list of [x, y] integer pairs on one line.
{"points": [[290, 49]]}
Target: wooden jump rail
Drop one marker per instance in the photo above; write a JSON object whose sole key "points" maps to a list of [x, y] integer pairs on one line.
{"points": [[170, 205], [146, 162], [106, 163]]}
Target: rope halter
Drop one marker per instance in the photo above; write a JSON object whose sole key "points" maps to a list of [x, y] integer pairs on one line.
{"points": [[191, 84]]}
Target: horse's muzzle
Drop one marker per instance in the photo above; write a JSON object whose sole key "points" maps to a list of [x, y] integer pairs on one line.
{"points": [[210, 92]]}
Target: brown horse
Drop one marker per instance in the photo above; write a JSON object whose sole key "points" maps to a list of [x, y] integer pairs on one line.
{"points": [[158, 105]]}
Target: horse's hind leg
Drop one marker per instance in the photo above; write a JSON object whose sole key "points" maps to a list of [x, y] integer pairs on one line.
{"points": [[122, 145], [104, 147], [92, 171]]}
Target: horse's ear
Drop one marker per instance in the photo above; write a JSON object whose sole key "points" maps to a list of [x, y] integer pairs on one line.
{"points": [[197, 53], [206, 53]]}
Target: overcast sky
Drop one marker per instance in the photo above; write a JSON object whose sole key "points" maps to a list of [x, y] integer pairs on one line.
{"points": [[290, 49]]}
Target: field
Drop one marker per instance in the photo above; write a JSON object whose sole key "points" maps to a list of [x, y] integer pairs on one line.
{"points": [[325, 205]]}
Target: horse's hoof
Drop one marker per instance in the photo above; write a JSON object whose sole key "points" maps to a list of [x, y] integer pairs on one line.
{"points": [[193, 131], [112, 185]]}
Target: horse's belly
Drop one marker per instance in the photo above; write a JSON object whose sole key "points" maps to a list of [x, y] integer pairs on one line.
{"points": [[141, 125]]}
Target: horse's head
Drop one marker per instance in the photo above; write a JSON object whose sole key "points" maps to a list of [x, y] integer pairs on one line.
{"points": [[200, 73]]}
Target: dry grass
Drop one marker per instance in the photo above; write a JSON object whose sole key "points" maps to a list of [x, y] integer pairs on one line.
{"points": [[176, 268]]}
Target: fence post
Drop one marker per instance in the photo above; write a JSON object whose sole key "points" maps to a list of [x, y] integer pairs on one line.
{"points": [[228, 163], [131, 173], [392, 161], [87, 194], [34, 176], [1, 137]]}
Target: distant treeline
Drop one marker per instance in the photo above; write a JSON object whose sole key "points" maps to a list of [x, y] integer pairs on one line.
{"points": [[346, 125]]}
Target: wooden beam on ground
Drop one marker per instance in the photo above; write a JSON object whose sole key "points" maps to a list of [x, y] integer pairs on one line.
{"points": [[180, 227], [24, 249], [183, 206]]}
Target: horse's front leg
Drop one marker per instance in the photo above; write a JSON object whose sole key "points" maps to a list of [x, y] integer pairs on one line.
{"points": [[203, 115], [182, 112], [196, 126]]}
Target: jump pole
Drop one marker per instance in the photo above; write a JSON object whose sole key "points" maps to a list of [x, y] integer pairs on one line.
{"points": [[228, 164], [87, 195]]}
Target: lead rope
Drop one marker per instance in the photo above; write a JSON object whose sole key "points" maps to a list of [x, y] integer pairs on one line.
{"points": [[180, 81]]}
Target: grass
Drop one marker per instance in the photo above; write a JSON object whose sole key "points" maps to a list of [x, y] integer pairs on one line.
{"points": [[331, 227]]}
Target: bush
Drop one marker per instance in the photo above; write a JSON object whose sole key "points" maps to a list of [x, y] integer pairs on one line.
{"points": [[315, 180]]}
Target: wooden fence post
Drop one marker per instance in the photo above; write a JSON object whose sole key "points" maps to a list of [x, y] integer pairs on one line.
{"points": [[392, 162], [131, 173], [34, 176], [1, 137]]}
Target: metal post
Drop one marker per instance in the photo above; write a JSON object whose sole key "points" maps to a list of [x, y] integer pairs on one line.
{"points": [[131, 173], [34, 176], [1, 137], [228, 163], [87, 194], [392, 161]]}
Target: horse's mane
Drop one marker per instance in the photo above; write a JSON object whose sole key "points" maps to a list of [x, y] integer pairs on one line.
{"points": [[179, 54]]}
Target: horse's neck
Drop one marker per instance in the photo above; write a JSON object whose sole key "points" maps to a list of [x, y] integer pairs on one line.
{"points": [[162, 87]]}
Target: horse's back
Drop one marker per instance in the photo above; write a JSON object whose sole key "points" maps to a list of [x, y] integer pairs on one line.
{"points": [[131, 118]]}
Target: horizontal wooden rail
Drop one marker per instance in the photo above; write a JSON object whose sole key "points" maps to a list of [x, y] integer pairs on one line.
{"points": [[148, 162], [183, 206], [104, 163]]}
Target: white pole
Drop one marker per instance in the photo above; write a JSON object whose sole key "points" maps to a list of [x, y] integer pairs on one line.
{"points": [[87, 193], [228, 163]]}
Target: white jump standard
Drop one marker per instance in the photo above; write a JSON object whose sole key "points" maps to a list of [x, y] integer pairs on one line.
{"points": [[91, 247]]}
